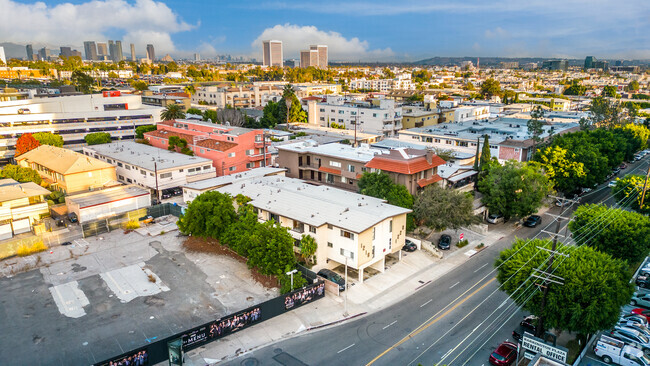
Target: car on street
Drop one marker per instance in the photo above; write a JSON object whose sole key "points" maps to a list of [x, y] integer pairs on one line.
{"points": [[623, 166], [640, 299], [611, 184], [504, 355], [66, 243], [533, 221], [494, 218], [560, 203], [409, 246], [330, 275], [444, 242]]}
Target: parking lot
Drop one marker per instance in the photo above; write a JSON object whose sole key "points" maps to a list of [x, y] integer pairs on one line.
{"points": [[102, 296]]}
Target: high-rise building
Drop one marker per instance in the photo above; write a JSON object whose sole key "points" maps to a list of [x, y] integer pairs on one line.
{"points": [[44, 54], [197, 57], [91, 50], [111, 49], [102, 50], [30, 52], [151, 54], [309, 58], [118, 52], [132, 52], [562, 65], [272, 53], [589, 62], [3, 58], [65, 52], [322, 55]]}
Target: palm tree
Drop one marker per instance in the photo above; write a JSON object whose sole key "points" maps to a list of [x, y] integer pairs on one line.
{"points": [[172, 111]]}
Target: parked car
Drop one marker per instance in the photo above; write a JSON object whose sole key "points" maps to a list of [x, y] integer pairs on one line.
{"points": [[533, 221], [623, 166], [611, 184], [642, 280], [643, 312], [528, 324], [560, 203], [409, 246], [636, 318], [504, 355], [641, 299], [494, 218], [614, 350], [616, 171], [633, 325], [444, 242], [330, 275], [629, 335], [72, 217]]}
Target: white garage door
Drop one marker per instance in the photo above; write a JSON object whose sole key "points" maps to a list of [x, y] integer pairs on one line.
{"points": [[21, 226]]}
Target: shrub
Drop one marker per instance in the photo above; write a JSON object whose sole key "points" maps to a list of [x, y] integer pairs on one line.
{"points": [[132, 225], [25, 250], [462, 243]]}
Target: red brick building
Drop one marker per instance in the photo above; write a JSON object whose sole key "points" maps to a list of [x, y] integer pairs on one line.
{"points": [[231, 149]]}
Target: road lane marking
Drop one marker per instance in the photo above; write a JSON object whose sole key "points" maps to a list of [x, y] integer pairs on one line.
{"points": [[480, 268], [426, 303], [348, 347], [389, 324], [430, 322], [454, 285]]}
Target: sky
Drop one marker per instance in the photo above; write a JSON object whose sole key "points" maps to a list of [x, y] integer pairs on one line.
{"points": [[371, 30]]}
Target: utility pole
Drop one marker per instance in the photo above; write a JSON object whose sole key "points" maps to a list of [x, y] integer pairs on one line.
{"points": [[155, 169], [645, 186], [546, 275]]}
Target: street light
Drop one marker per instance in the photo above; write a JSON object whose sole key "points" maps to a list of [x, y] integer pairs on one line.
{"points": [[290, 273]]}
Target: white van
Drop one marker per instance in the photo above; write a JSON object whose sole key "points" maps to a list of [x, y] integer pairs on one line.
{"points": [[616, 351]]}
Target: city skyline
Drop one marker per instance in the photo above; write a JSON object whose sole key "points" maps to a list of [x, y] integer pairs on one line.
{"points": [[378, 31]]}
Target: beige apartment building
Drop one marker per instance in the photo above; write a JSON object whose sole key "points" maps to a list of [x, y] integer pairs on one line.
{"points": [[272, 53], [242, 96]]}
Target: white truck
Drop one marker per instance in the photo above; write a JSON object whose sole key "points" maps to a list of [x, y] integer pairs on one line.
{"points": [[612, 350]]}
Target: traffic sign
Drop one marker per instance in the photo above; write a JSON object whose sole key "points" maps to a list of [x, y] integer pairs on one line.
{"points": [[462, 236]]}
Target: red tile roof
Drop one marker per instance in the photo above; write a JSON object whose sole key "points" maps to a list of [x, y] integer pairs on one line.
{"points": [[425, 182], [329, 170], [410, 166]]}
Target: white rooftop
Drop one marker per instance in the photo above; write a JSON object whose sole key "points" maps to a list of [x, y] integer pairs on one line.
{"points": [[145, 156], [364, 153], [314, 205], [233, 178]]}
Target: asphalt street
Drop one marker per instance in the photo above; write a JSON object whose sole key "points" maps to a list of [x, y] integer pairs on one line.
{"points": [[457, 320]]}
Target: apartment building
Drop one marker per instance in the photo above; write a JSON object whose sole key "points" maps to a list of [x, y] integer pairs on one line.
{"points": [[21, 205], [191, 190], [156, 169], [400, 82], [349, 228], [471, 113], [309, 58], [242, 96], [230, 149], [68, 171], [380, 116], [164, 100], [337, 165], [508, 137], [415, 169], [414, 117], [73, 117]]}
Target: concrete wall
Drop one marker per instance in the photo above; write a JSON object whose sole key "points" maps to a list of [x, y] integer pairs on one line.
{"points": [[87, 181]]}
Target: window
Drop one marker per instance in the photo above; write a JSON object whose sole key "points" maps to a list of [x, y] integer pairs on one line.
{"points": [[202, 151], [341, 111], [274, 217], [364, 169], [120, 164], [329, 226], [250, 165], [390, 226], [231, 155], [350, 168], [129, 180], [128, 167], [166, 175], [330, 245], [374, 233], [120, 177], [232, 168], [335, 163], [322, 109], [250, 152], [347, 234], [312, 229], [207, 167], [329, 178], [374, 115], [143, 172]]}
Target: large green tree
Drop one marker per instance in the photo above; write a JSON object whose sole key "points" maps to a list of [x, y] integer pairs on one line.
{"points": [[82, 81], [622, 234], [208, 215], [172, 111], [535, 125], [486, 156], [490, 88], [514, 189], [379, 185], [610, 91], [308, 247], [561, 168], [97, 138], [49, 138], [440, 208], [296, 113], [140, 130], [595, 288], [628, 191], [271, 115], [20, 174]]}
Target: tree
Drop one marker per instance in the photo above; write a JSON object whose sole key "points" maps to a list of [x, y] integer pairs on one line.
{"points": [[490, 88], [208, 215], [379, 185], [440, 208], [514, 189], [575, 89], [308, 247], [610, 91], [210, 115], [140, 130], [469, 86], [486, 156], [477, 154], [628, 190], [270, 117], [561, 168], [190, 89], [172, 111], [633, 86], [622, 234], [97, 138], [25, 143], [139, 85], [113, 75], [285, 280], [194, 111], [82, 81], [595, 288], [535, 125], [20, 174], [296, 113], [49, 138]]}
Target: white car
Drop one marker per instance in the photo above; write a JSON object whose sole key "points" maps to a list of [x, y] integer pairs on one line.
{"points": [[611, 184], [494, 218]]}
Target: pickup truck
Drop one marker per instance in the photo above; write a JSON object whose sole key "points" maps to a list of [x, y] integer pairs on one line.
{"points": [[612, 350]]}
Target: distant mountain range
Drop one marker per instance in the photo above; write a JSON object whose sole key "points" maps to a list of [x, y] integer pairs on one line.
{"points": [[13, 50]]}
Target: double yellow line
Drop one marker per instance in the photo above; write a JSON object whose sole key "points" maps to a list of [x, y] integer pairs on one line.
{"points": [[434, 319]]}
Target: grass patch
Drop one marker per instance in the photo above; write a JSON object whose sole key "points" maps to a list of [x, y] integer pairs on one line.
{"points": [[462, 243], [25, 249]]}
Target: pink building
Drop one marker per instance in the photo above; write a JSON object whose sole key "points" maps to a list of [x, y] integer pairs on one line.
{"points": [[231, 149]]}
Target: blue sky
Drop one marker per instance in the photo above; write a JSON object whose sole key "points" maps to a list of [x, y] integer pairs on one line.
{"points": [[366, 30]]}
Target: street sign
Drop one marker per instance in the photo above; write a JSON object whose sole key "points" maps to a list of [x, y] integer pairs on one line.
{"points": [[462, 236], [537, 345]]}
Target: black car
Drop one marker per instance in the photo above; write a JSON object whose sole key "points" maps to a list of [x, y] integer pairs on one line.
{"points": [[409, 246], [328, 274], [66, 243], [529, 324], [444, 242], [72, 217], [533, 220]]}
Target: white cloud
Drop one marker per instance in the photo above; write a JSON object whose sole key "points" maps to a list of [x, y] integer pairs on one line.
{"points": [[139, 22], [296, 38], [498, 32]]}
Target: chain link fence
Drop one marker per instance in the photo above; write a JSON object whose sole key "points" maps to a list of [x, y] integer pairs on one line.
{"points": [[101, 226]]}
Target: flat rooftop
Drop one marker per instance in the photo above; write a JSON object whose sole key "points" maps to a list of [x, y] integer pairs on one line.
{"points": [[146, 157], [108, 195], [363, 154], [209, 183]]}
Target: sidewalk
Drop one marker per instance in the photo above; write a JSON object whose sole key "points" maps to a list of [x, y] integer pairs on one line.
{"points": [[415, 270]]}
